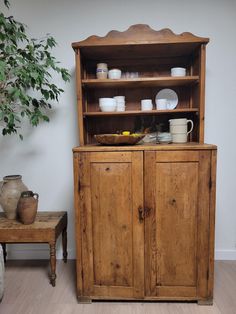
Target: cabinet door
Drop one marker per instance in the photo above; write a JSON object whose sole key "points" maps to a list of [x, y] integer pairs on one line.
{"points": [[177, 223], [112, 241]]}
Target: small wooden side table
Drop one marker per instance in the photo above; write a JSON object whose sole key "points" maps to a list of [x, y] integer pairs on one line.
{"points": [[46, 229]]}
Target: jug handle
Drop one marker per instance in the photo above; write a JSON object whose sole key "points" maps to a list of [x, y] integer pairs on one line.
{"points": [[191, 122], [37, 196]]}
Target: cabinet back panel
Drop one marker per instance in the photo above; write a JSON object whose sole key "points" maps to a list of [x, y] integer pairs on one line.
{"points": [[176, 233], [112, 124], [145, 67], [134, 96], [112, 223]]}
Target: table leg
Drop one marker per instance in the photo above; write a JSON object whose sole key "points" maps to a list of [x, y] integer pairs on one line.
{"points": [[4, 252], [53, 263], [64, 244]]}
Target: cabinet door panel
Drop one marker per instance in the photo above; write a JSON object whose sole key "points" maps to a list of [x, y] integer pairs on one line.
{"points": [[112, 227], [176, 209], [176, 239], [111, 191]]}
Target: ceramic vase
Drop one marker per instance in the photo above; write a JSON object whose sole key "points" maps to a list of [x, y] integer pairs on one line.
{"points": [[10, 191], [27, 207]]}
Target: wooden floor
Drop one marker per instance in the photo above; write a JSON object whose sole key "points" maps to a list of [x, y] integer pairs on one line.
{"points": [[27, 291]]}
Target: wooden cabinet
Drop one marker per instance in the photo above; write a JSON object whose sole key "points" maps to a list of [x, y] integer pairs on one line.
{"points": [[144, 213], [145, 222]]}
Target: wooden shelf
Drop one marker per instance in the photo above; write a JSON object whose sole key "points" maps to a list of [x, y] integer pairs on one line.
{"points": [[138, 112], [162, 81]]}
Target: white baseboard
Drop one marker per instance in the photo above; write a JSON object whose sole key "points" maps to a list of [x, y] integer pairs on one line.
{"points": [[43, 253], [229, 255], [36, 253]]}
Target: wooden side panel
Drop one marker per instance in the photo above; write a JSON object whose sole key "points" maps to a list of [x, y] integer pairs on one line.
{"points": [[203, 222], [111, 191], [212, 224], [79, 283], [202, 74], [86, 223], [79, 97], [176, 211]]}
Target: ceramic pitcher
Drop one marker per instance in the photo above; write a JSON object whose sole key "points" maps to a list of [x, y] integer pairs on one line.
{"points": [[27, 207], [10, 191], [179, 130]]}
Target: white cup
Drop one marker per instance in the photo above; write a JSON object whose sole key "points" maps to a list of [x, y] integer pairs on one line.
{"points": [[119, 98], [146, 104], [161, 104], [120, 107], [114, 74]]}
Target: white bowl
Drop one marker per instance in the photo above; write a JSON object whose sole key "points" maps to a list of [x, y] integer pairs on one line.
{"points": [[114, 74], [108, 108], [107, 102], [178, 72]]}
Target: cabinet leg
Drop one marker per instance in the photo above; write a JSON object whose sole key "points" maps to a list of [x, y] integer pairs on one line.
{"points": [[4, 248], [84, 300], [53, 263], [205, 302], [64, 244]]}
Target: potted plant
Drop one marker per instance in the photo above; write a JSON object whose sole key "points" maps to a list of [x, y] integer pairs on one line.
{"points": [[26, 67]]}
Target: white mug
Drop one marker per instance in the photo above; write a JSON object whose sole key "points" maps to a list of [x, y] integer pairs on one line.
{"points": [[119, 98], [146, 104], [178, 72], [162, 104]]}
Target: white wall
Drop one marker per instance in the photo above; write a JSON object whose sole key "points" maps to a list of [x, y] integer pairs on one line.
{"points": [[44, 158]]}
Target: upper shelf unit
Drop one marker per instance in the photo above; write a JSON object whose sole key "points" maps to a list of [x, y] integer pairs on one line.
{"points": [[150, 54]]}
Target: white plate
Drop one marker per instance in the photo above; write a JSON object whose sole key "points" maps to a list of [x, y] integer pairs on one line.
{"points": [[170, 95]]}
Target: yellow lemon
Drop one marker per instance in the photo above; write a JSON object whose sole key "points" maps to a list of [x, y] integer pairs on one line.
{"points": [[126, 133]]}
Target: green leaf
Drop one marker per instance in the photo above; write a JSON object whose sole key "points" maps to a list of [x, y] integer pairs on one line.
{"points": [[7, 3], [26, 65], [46, 118]]}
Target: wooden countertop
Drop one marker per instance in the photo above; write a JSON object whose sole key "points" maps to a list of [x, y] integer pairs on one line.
{"points": [[147, 146]]}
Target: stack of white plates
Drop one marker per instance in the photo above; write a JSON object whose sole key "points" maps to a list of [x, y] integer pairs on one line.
{"points": [[164, 137]]}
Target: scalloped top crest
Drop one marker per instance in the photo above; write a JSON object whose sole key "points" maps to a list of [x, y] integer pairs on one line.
{"points": [[140, 34]]}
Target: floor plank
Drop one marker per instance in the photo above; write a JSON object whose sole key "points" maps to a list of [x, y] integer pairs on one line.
{"points": [[27, 291]]}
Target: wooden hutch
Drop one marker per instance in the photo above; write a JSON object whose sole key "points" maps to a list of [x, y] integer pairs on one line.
{"points": [[144, 213]]}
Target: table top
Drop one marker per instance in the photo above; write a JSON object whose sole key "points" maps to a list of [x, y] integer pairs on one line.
{"points": [[44, 220]]}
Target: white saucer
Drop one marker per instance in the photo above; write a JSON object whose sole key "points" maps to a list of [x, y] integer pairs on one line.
{"points": [[170, 95]]}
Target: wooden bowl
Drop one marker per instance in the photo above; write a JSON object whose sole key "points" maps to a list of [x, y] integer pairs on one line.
{"points": [[116, 139]]}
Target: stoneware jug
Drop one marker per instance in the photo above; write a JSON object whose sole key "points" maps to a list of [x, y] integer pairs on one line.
{"points": [[27, 207], [10, 191]]}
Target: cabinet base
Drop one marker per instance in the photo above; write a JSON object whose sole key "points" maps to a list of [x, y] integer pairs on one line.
{"points": [[205, 302], [88, 300], [84, 300]]}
